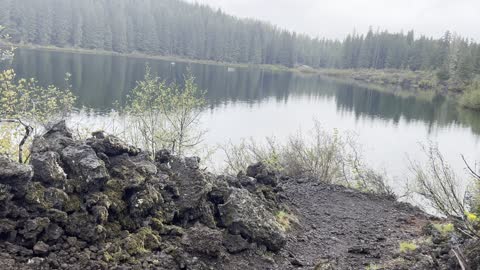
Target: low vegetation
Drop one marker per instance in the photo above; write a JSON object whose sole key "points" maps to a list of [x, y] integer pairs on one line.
{"points": [[408, 79], [407, 247], [439, 184], [164, 116], [285, 219], [444, 229], [26, 107], [323, 156], [471, 97]]}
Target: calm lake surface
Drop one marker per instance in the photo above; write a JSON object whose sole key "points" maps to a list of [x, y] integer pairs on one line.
{"points": [[253, 103]]}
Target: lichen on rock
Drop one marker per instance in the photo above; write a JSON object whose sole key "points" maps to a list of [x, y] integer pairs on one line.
{"points": [[102, 202]]}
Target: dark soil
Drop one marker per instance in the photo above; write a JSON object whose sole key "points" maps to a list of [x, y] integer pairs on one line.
{"points": [[340, 228], [346, 228]]}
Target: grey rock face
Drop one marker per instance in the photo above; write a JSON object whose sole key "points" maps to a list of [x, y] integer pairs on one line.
{"points": [[235, 243], [203, 240], [263, 175], [163, 156], [84, 164], [193, 188], [13, 173], [111, 145], [133, 171], [242, 214], [101, 203], [57, 138], [40, 248], [46, 166], [33, 227]]}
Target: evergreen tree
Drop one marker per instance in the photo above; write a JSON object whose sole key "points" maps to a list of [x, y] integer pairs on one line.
{"points": [[175, 27]]}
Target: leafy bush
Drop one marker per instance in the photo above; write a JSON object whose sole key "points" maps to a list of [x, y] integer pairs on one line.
{"points": [[162, 115], [26, 105], [322, 156], [471, 97], [437, 182]]}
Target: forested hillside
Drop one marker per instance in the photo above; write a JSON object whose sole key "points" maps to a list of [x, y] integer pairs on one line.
{"points": [[173, 27]]}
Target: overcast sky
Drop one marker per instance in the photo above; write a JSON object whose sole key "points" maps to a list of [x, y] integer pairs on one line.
{"points": [[337, 18]]}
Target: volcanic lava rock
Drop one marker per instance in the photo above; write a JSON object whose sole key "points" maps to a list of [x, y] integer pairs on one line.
{"points": [[14, 175], [244, 215], [85, 166], [262, 174], [100, 204], [202, 240], [47, 168]]}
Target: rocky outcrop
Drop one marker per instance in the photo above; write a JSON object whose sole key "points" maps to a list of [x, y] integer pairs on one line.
{"points": [[245, 215], [100, 203]]}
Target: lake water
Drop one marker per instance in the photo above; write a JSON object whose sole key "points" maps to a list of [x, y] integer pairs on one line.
{"points": [[249, 102]]}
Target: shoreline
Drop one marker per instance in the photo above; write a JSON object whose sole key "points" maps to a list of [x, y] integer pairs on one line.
{"points": [[397, 81]]}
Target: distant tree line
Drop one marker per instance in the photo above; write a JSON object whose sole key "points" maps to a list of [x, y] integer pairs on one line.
{"points": [[173, 27]]}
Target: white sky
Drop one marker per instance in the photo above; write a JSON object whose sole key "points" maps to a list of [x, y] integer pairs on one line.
{"points": [[337, 18]]}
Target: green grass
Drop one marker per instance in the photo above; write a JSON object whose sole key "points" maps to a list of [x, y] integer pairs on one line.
{"points": [[285, 220], [444, 229], [372, 267], [407, 247]]}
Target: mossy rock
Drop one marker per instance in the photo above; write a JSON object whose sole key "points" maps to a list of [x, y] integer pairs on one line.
{"points": [[73, 204], [35, 193], [164, 229], [115, 197], [127, 223], [115, 184], [113, 229], [150, 238], [142, 242]]}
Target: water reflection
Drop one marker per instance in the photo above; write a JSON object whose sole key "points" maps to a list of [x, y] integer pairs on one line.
{"points": [[100, 80]]}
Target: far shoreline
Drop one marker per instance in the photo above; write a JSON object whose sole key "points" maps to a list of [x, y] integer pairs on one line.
{"points": [[409, 83]]}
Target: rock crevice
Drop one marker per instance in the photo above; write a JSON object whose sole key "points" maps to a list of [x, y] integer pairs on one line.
{"points": [[101, 203]]}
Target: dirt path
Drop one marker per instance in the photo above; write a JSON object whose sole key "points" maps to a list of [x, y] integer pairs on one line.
{"points": [[344, 227]]}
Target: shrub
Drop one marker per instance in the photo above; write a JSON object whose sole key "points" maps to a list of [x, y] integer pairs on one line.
{"points": [[471, 97], [162, 115], [437, 182], [444, 229], [26, 105], [322, 156]]}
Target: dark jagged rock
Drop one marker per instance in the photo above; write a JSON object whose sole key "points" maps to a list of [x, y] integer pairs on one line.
{"points": [[242, 214], [56, 138], [47, 168], [163, 156], [14, 174], [5, 194], [40, 248], [85, 167], [193, 188], [235, 243], [203, 240], [111, 145], [133, 171], [85, 227], [262, 174], [100, 203], [33, 227]]}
